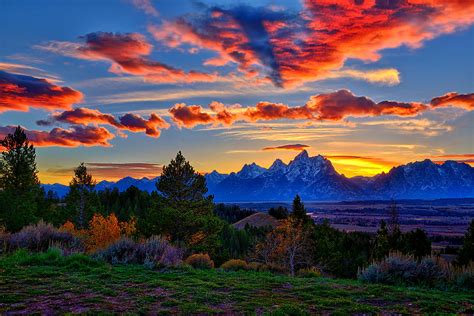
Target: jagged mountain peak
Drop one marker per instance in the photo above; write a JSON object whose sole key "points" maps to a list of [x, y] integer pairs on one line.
{"points": [[302, 156], [277, 165], [250, 171]]}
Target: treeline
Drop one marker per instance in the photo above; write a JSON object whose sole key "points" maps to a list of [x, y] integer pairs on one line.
{"points": [[188, 223]]}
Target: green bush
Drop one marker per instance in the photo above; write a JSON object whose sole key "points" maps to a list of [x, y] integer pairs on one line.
{"points": [[311, 272], [235, 265], [200, 261]]}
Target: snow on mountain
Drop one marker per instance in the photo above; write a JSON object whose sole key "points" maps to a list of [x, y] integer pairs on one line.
{"points": [[250, 171]]}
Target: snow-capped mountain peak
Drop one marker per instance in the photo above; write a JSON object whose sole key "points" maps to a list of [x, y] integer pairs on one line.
{"points": [[250, 171]]}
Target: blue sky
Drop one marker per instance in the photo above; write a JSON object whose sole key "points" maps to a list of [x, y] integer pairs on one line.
{"points": [[432, 58]]}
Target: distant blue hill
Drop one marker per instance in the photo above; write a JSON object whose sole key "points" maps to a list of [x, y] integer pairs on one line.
{"points": [[315, 179]]}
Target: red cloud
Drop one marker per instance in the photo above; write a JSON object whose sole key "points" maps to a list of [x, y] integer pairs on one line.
{"points": [[454, 99], [128, 54], [190, 116], [291, 48], [329, 106], [297, 147], [342, 103], [19, 93], [73, 137], [273, 111], [131, 122]]}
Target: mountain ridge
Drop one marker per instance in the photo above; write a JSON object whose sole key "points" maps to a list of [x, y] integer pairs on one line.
{"points": [[315, 178]]}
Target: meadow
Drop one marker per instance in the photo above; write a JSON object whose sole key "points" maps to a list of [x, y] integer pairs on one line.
{"points": [[50, 283]]}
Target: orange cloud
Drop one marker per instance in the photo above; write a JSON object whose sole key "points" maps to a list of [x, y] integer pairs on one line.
{"points": [[72, 137], [333, 106], [130, 122], [297, 147], [190, 116], [20, 92], [465, 101], [120, 170], [128, 54], [291, 48]]}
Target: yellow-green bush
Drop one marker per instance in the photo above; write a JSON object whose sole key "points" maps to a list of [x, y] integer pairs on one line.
{"points": [[200, 261], [311, 272], [235, 265]]}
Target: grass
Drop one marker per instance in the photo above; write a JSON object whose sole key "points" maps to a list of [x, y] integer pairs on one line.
{"points": [[48, 283]]}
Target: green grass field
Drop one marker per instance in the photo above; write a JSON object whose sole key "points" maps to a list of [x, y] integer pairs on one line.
{"points": [[49, 283]]}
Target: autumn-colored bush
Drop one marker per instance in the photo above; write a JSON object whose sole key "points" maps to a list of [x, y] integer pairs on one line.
{"points": [[200, 261], [235, 265], [102, 231], [257, 266]]}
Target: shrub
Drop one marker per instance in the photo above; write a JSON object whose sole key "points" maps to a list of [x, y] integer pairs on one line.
{"points": [[235, 265], [200, 261], [393, 269], [464, 277], [152, 252], [123, 251], [311, 272], [400, 269], [39, 237], [104, 231], [432, 271], [257, 266], [159, 251], [4, 236]]}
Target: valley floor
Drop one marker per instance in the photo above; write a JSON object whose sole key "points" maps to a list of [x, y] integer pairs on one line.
{"points": [[83, 286]]}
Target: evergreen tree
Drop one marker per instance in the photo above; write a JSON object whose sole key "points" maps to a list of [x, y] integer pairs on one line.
{"points": [[394, 232], [19, 184], [299, 211], [185, 213], [381, 245], [81, 199], [279, 212], [466, 254], [416, 243], [180, 184]]}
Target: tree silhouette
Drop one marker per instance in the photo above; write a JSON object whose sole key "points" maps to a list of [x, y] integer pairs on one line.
{"points": [[466, 254], [18, 163], [179, 183], [81, 191], [19, 184]]}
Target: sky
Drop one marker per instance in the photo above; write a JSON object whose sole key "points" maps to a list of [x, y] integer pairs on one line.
{"points": [[124, 85]]}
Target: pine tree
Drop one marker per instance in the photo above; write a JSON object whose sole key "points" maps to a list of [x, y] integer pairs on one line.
{"points": [[179, 183], [394, 232], [299, 211], [466, 254], [18, 163], [81, 194], [381, 245], [19, 184], [185, 213]]}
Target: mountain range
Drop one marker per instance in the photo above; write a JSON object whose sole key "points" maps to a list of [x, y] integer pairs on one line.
{"points": [[314, 179]]}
